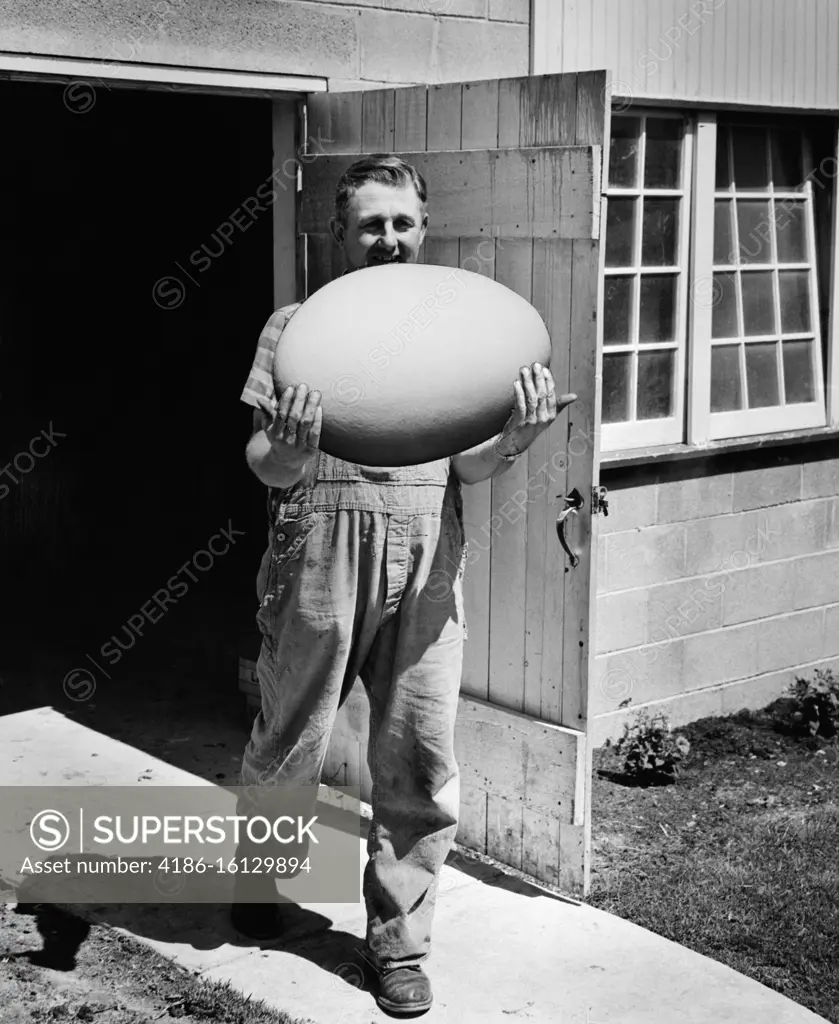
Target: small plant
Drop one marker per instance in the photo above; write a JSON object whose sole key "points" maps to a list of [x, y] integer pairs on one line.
{"points": [[651, 751], [816, 703]]}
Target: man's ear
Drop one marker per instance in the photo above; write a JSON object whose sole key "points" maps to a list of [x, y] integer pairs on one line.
{"points": [[337, 229], [424, 227]]}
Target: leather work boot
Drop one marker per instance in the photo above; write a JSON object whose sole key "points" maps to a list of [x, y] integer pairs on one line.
{"points": [[404, 990]]}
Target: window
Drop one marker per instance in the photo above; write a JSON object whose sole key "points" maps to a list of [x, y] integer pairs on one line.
{"points": [[711, 310], [645, 293]]}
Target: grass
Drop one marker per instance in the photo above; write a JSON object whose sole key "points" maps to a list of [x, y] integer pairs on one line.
{"points": [[739, 860]]}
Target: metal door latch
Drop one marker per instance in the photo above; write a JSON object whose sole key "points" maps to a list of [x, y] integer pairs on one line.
{"points": [[599, 501], [573, 504]]}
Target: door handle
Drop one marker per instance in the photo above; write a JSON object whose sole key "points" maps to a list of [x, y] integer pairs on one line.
{"points": [[573, 504]]}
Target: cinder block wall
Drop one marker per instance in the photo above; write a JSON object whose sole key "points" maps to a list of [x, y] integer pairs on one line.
{"points": [[718, 583], [354, 43]]}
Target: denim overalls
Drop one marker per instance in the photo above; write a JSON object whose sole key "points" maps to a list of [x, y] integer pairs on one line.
{"points": [[363, 578]]}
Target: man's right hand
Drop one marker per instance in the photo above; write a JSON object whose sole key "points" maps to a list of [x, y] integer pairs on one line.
{"points": [[284, 440], [294, 429]]}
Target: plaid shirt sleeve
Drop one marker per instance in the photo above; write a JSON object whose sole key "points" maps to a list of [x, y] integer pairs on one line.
{"points": [[261, 379]]}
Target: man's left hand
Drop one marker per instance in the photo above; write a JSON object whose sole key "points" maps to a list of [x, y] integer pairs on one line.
{"points": [[537, 406]]}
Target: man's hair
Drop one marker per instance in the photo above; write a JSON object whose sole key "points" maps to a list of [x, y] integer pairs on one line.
{"points": [[384, 168]]}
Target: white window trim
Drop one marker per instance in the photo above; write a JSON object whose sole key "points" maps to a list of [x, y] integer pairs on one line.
{"points": [[666, 430], [140, 75], [718, 426], [703, 428]]}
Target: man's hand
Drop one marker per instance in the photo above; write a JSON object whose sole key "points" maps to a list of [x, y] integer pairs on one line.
{"points": [[294, 430], [537, 406]]}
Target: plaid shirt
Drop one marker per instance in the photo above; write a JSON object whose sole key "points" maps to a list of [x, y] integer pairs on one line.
{"points": [[261, 380]]}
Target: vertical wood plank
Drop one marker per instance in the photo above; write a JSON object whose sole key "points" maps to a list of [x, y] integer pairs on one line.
{"points": [[477, 255], [479, 126], [334, 125], [287, 286], [410, 119], [540, 846], [472, 818], [547, 565], [333, 121], [510, 504], [443, 132], [479, 115], [377, 120], [505, 830], [444, 117]]}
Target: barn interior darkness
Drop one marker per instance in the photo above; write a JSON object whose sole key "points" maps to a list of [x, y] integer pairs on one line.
{"points": [[136, 383]]}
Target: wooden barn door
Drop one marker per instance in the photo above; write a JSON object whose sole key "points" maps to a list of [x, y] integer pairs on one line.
{"points": [[514, 170]]}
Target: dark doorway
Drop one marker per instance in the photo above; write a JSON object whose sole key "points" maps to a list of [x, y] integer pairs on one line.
{"points": [[133, 393]]}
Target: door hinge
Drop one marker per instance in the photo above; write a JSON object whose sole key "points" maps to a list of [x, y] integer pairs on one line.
{"points": [[599, 501]]}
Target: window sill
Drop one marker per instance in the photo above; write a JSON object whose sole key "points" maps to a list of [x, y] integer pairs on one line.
{"points": [[681, 452]]}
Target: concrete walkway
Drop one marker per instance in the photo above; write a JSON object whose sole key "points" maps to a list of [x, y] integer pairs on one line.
{"points": [[503, 950]]}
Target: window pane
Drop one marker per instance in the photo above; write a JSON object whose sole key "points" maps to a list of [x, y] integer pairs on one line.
{"points": [[787, 172], [620, 232], [616, 372], [795, 301], [758, 303], [623, 152], [762, 374], [791, 230], [655, 385], [663, 156], [798, 371], [660, 232], [657, 313], [726, 388], [723, 238], [750, 170], [617, 303], [754, 231], [724, 297], [723, 174]]}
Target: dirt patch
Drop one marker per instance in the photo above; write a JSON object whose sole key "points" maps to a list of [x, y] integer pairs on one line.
{"points": [[55, 967]]}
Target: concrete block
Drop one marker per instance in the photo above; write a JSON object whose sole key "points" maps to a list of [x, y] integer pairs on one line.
{"points": [[680, 710], [468, 51], [820, 479], [621, 621], [630, 508], [696, 498], [831, 537], [644, 674], [720, 657], [757, 593], [397, 47], [270, 36], [787, 531], [439, 8], [681, 608], [754, 693], [710, 543], [654, 555], [768, 485], [831, 631], [816, 580], [510, 10], [789, 641]]}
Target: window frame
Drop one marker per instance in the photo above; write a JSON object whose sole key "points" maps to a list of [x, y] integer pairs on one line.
{"points": [[723, 426], [696, 432], [670, 429]]}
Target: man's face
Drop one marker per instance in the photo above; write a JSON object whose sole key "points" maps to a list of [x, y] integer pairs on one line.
{"points": [[384, 225]]}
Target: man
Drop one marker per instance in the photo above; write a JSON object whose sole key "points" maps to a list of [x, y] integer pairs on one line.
{"points": [[350, 586]]}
